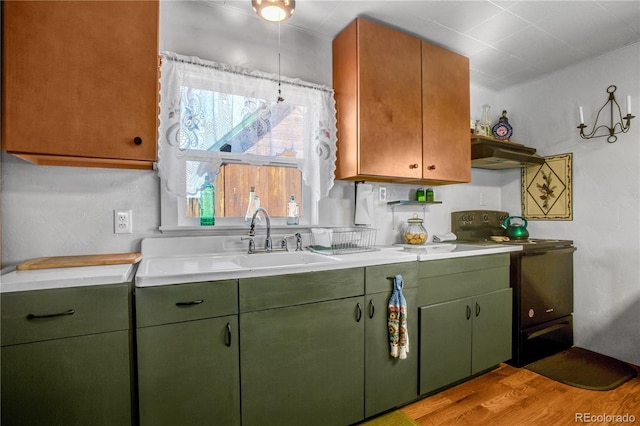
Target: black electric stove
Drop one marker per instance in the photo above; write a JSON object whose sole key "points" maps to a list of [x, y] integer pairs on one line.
{"points": [[541, 276]]}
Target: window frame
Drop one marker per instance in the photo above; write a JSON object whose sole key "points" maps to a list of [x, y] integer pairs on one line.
{"points": [[317, 163]]}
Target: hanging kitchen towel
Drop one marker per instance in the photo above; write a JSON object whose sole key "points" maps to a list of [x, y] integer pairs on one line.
{"points": [[398, 334], [364, 204]]}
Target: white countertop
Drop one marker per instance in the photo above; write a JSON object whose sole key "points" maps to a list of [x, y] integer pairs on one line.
{"points": [[181, 260], [161, 265], [40, 279]]}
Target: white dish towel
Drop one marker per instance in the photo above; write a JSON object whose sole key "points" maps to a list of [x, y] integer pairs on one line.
{"points": [[364, 204]]}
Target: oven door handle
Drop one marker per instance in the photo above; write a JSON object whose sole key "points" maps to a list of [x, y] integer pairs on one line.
{"points": [[548, 330], [552, 251]]}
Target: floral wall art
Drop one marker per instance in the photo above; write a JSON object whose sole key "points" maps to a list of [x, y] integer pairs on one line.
{"points": [[546, 189]]}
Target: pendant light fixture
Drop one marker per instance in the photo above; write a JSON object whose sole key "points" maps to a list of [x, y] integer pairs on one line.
{"points": [[274, 10]]}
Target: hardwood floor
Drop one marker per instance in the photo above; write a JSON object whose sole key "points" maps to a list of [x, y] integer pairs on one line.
{"points": [[510, 396]]}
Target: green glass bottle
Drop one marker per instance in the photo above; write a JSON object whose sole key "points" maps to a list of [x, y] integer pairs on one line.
{"points": [[207, 204]]}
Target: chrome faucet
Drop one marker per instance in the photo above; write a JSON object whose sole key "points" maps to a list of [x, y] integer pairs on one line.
{"points": [[252, 230]]}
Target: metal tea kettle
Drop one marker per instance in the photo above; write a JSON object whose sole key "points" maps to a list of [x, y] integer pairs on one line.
{"points": [[516, 231]]}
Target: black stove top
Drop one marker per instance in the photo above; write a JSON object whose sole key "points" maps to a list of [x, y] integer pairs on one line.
{"points": [[479, 226]]}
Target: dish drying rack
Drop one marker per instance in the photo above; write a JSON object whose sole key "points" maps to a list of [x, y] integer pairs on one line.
{"points": [[343, 240]]}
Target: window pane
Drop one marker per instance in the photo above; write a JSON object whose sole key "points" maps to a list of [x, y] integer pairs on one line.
{"points": [[214, 121], [273, 184]]}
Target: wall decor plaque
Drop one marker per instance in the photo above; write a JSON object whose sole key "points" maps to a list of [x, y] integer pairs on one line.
{"points": [[546, 189]]}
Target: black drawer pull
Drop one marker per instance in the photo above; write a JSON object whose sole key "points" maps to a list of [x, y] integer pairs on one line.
{"points": [[477, 309], [59, 314], [468, 312], [137, 140], [359, 312], [192, 303], [227, 337], [372, 308]]}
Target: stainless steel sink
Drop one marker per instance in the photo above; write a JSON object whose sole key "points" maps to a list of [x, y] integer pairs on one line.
{"points": [[282, 259]]}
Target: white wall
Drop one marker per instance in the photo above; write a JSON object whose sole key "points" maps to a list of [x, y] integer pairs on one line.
{"points": [[50, 211], [63, 211], [606, 192]]}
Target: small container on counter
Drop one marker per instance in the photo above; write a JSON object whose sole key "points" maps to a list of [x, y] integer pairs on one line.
{"points": [[414, 232]]}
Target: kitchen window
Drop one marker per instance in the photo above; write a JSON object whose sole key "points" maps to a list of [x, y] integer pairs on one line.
{"points": [[227, 123]]}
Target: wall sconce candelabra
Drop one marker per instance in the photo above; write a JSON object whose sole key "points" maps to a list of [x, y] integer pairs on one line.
{"points": [[619, 127]]}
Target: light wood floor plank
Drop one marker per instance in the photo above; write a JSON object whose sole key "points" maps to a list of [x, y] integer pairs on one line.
{"points": [[510, 396]]}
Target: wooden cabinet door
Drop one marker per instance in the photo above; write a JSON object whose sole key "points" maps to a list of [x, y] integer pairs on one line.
{"points": [[80, 79], [446, 115], [445, 344], [378, 85], [390, 382], [79, 381], [492, 321], [303, 364], [188, 373]]}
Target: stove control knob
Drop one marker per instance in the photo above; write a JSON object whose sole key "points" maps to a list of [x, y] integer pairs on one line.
{"points": [[485, 218]]}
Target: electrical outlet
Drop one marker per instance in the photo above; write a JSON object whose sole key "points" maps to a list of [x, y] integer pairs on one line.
{"points": [[122, 221], [382, 193]]}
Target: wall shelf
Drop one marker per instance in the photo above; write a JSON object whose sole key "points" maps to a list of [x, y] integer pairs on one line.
{"points": [[411, 203], [394, 204]]}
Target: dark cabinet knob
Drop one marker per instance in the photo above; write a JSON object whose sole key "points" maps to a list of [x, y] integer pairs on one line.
{"points": [[431, 167], [137, 140], [414, 166]]}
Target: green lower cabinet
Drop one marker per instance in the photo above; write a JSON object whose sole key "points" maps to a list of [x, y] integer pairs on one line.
{"points": [[491, 336], [389, 382], [303, 365], [188, 373], [463, 337], [82, 380]]}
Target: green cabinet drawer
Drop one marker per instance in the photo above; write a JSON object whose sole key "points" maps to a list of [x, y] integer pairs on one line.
{"points": [[434, 268], [465, 284], [185, 302], [297, 289], [379, 278], [31, 316]]}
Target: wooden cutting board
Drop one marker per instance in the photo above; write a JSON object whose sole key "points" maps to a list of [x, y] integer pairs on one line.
{"points": [[83, 260]]}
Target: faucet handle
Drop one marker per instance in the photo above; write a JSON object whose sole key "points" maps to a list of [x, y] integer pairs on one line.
{"points": [[298, 241], [252, 244], [283, 244]]}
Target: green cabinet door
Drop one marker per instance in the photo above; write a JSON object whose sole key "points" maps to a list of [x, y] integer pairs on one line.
{"points": [[82, 380], [188, 373], [445, 349], [389, 382], [491, 342], [303, 365]]}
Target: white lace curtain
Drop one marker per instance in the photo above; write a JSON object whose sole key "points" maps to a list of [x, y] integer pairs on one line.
{"points": [[197, 100]]}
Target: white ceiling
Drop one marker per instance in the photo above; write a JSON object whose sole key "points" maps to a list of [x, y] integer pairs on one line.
{"points": [[507, 41]]}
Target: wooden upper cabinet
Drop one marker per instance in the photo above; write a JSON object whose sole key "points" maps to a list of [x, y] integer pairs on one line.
{"points": [[402, 105], [446, 115], [80, 82], [376, 76]]}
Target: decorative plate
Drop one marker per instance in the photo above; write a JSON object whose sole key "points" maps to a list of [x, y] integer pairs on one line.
{"points": [[502, 130]]}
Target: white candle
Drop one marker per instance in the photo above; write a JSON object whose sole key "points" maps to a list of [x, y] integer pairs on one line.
{"points": [[629, 105], [581, 116]]}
